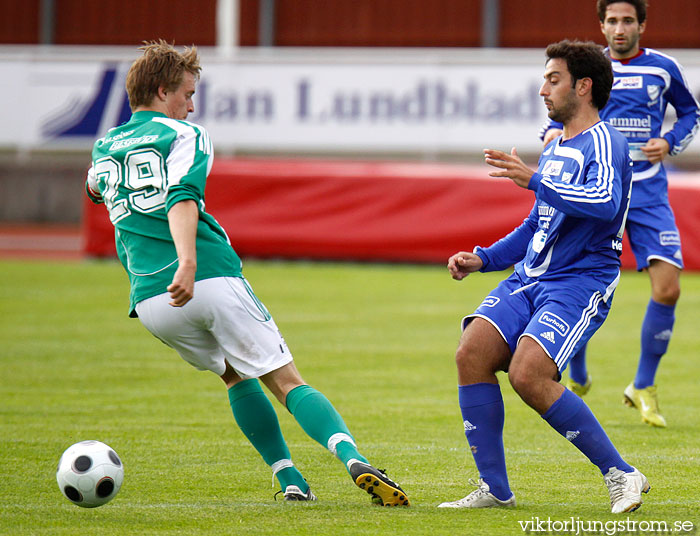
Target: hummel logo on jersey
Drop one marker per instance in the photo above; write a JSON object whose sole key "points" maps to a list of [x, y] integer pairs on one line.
{"points": [[468, 426], [572, 434], [549, 335], [664, 335]]}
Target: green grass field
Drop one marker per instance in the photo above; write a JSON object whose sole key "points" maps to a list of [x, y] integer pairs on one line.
{"points": [[379, 341]]}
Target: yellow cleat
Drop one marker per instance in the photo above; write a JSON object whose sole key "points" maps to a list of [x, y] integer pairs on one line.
{"points": [[577, 388], [646, 402], [383, 490]]}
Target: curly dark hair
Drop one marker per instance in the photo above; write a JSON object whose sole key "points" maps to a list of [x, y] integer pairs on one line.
{"points": [[640, 7], [585, 59]]}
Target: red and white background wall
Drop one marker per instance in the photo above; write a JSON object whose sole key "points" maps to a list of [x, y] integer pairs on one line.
{"points": [[342, 103]]}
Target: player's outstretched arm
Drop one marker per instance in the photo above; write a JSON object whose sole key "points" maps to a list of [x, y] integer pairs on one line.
{"points": [[461, 264], [511, 164]]}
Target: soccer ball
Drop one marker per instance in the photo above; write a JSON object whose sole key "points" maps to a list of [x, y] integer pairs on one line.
{"points": [[89, 474]]}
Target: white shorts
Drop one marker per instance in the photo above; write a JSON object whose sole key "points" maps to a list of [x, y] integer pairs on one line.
{"points": [[224, 321]]}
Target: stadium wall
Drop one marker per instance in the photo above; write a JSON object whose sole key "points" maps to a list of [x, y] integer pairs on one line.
{"points": [[373, 211], [368, 104]]}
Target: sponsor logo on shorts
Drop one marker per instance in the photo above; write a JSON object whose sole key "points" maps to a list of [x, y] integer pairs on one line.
{"points": [[669, 238], [552, 320], [490, 301], [548, 335]]}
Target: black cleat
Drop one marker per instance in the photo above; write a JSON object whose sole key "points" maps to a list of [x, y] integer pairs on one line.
{"points": [[382, 489]]}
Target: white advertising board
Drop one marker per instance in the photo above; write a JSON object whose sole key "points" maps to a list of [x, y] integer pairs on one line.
{"points": [[367, 101]]}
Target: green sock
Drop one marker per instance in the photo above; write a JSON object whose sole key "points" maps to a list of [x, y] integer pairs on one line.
{"points": [[320, 420], [258, 421]]}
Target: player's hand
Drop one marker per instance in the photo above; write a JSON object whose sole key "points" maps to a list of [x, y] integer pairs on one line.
{"points": [[461, 264], [656, 149], [182, 288], [551, 134], [511, 164]]}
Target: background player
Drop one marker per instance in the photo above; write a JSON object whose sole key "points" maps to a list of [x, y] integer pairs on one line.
{"points": [[566, 256], [186, 282], [646, 82]]}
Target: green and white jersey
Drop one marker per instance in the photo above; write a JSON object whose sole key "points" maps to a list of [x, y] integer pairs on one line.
{"points": [[139, 170]]}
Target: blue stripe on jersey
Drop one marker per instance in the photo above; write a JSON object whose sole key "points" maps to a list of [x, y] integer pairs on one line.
{"points": [[601, 190]]}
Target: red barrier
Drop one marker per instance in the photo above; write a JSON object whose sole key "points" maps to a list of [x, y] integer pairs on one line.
{"points": [[377, 211]]}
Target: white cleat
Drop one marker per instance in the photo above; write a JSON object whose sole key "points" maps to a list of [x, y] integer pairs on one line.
{"points": [[294, 493], [625, 489], [481, 497]]}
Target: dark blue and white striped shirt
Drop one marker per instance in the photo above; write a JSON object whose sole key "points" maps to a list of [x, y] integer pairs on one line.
{"points": [[643, 87], [582, 188]]}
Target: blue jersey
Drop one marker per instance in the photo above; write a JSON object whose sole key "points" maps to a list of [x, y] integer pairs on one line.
{"points": [[582, 188], [643, 88]]}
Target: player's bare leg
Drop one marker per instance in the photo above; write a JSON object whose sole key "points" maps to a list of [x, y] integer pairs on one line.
{"points": [[281, 381], [533, 375], [481, 353], [665, 281]]}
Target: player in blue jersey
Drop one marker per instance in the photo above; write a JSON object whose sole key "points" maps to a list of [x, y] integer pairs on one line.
{"points": [[566, 257], [646, 82], [187, 286]]}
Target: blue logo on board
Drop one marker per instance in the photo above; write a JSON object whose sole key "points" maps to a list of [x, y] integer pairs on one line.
{"points": [[84, 118]]}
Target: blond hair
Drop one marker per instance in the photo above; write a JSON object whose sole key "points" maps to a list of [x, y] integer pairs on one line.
{"points": [[159, 66]]}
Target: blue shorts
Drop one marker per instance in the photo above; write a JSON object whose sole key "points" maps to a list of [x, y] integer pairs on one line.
{"points": [[653, 235], [559, 315]]}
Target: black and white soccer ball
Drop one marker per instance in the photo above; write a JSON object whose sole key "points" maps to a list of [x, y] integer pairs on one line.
{"points": [[89, 474]]}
